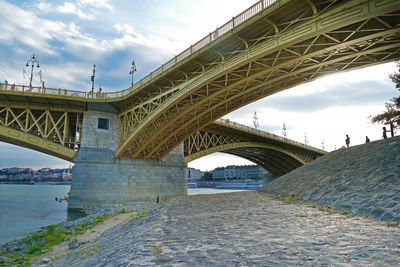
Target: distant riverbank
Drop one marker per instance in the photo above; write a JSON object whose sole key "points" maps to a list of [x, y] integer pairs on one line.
{"points": [[33, 182]]}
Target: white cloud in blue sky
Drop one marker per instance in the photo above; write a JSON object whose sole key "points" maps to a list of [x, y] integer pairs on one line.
{"points": [[70, 36]]}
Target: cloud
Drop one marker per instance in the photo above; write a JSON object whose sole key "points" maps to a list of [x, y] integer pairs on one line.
{"points": [[56, 41], [96, 3], [70, 8], [83, 8], [212, 161], [348, 94], [24, 27]]}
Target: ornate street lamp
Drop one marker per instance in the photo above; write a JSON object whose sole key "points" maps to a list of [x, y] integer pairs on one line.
{"points": [[284, 133], [133, 69], [92, 78], [305, 139], [32, 61]]}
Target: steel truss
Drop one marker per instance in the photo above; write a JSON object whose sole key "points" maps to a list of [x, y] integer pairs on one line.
{"points": [[54, 132], [298, 43], [276, 154]]}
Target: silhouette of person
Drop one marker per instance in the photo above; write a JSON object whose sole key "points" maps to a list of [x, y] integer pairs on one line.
{"points": [[384, 133], [367, 139], [347, 140]]}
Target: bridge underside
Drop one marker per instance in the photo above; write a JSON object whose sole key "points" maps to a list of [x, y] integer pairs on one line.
{"points": [[276, 154], [273, 159], [279, 48], [275, 162], [36, 143]]}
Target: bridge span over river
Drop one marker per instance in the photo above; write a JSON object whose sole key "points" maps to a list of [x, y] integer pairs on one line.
{"points": [[130, 144]]}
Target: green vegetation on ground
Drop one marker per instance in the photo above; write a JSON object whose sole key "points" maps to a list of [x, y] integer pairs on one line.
{"points": [[40, 242]]}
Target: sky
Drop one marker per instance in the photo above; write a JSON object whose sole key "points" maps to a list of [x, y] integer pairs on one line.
{"points": [[69, 37]]}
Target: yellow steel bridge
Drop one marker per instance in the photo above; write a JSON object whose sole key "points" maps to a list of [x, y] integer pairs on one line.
{"points": [[272, 46]]}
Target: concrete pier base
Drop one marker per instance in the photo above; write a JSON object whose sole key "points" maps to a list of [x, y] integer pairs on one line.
{"points": [[99, 180]]}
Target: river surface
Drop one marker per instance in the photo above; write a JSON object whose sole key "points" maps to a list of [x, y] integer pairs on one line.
{"points": [[26, 208]]}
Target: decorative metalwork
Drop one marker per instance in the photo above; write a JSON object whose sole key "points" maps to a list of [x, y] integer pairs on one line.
{"points": [[317, 42], [27, 127], [276, 154]]}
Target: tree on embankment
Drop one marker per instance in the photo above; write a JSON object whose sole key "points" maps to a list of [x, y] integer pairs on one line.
{"points": [[392, 113]]}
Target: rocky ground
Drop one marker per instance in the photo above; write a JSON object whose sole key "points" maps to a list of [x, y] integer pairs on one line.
{"points": [[364, 179], [242, 229]]}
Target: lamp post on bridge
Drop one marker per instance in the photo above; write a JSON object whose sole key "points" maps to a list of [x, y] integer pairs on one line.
{"points": [[305, 139], [284, 133], [132, 71], [32, 61], [92, 78]]}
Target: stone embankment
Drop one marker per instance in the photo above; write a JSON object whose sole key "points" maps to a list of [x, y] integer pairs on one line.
{"points": [[363, 179]]}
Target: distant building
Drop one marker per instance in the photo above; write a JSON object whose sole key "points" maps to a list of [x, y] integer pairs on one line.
{"points": [[16, 173], [246, 172], [67, 175], [218, 173], [230, 172], [194, 174]]}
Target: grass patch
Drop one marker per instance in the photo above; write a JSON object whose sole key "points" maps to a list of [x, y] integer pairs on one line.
{"points": [[143, 212], [157, 249], [288, 199], [392, 224], [52, 235], [346, 212]]}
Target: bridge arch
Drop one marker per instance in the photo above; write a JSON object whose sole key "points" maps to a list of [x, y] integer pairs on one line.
{"points": [[277, 160], [26, 140], [287, 45]]}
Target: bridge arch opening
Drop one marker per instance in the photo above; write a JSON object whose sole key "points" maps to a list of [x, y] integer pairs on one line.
{"points": [[275, 160]]}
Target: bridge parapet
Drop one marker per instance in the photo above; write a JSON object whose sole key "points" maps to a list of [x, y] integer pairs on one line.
{"points": [[268, 135], [212, 36]]}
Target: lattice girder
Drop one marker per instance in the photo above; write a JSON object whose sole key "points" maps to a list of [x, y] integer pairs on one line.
{"points": [[276, 154], [54, 132], [269, 65]]}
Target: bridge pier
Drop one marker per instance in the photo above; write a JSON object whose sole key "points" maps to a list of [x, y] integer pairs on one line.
{"points": [[100, 180]]}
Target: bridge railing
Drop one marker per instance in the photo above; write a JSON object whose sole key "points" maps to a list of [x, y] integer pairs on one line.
{"points": [[231, 24], [42, 90], [261, 132]]}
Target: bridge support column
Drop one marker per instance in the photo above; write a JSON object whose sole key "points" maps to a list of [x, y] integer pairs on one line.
{"points": [[100, 180]]}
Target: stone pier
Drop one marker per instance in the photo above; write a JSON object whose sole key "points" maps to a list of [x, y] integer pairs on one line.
{"points": [[100, 180]]}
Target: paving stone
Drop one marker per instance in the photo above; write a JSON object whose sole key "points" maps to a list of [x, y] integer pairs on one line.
{"points": [[242, 229]]}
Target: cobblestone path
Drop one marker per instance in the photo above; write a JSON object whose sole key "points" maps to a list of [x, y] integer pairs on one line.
{"points": [[241, 229]]}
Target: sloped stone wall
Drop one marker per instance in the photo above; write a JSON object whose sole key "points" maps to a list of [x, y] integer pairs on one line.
{"points": [[363, 179]]}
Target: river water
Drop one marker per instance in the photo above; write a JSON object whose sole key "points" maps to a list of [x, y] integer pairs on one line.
{"points": [[26, 208]]}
